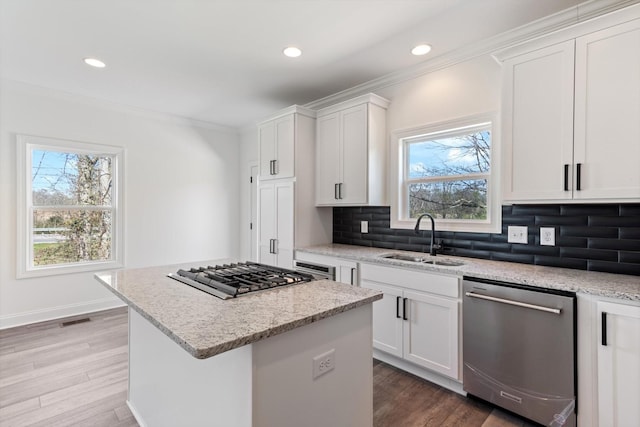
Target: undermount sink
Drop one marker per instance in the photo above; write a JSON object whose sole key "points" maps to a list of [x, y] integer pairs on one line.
{"points": [[424, 260]]}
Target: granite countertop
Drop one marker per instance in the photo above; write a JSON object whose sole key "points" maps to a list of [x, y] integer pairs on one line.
{"points": [[205, 325], [588, 282]]}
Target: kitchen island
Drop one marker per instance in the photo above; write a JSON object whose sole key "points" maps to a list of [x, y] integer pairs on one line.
{"points": [[196, 360]]}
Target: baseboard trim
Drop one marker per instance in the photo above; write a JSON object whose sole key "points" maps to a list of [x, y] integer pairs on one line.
{"points": [[29, 317], [136, 415], [430, 376]]}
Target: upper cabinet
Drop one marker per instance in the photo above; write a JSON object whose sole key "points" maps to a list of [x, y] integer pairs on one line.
{"points": [[277, 143], [571, 127], [351, 153]]}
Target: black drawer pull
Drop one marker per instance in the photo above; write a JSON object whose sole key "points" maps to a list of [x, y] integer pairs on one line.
{"points": [[398, 308], [404, 309]]}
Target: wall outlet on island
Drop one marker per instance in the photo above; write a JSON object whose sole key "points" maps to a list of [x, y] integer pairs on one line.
{"points": [[324, 363], [364, 226], [517, 234]]}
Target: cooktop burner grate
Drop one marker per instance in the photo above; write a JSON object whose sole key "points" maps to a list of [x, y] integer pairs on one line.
{"points": [[232, 280]]}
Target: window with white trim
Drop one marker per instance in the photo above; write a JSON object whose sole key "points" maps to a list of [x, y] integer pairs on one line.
{"points": [[69, 213], [447, 170]]}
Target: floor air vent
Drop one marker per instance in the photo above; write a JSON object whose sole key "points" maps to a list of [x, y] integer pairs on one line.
{"points": [[74, 322]]}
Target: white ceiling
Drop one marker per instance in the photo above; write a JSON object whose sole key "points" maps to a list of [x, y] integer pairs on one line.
{"points": [[221, 60]]}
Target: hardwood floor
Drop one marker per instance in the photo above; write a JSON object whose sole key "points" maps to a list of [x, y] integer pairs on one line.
{"points": [[76, 375]]}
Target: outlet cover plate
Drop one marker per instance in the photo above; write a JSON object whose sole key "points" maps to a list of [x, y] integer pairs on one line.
{"points": [[364, 226], [547, 236], [324, 363], [517, 234]]}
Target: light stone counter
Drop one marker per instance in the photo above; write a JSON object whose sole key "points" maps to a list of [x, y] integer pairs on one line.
{"points": [[588, 282], [206, 326]]}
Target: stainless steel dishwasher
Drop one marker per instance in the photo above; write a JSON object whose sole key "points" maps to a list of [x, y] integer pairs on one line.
{"points": [[519, 349]]}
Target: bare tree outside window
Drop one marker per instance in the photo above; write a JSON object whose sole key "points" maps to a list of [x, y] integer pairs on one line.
{"points": [[447, 173], [72, 214]]}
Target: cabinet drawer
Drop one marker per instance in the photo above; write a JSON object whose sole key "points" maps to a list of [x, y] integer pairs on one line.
{"points": [[439, 284]]}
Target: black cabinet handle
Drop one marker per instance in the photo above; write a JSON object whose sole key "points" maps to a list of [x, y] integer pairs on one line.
{"points": [[335, 191], [566, 177], [604, 328], [404, 309], [275, 167], [398, 308], [270, 167], [353, 270], [578, 173]]}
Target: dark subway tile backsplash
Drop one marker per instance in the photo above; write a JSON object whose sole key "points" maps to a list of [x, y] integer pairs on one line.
{"points": [[588, 237]]}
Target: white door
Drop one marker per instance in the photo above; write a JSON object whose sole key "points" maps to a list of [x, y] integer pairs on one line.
{"points": [[354, 158], [538, 124], [387, 318], [431, 333], [253, 213], [327, 159], [619, 365], [266, 223], [607, 117], [284, 238]]}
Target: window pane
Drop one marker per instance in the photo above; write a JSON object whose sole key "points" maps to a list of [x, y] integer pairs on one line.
{"points": [[459, 155], [59, 178], [71, 236], [463, 199]]}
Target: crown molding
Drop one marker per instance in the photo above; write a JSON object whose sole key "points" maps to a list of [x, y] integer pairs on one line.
{"points": [[293, 109], [115, 107], [560, 20]]}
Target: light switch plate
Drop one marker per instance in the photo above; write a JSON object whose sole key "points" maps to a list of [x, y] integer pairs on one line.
{"points": [[547, 236], [517, 234], [364, 226]]}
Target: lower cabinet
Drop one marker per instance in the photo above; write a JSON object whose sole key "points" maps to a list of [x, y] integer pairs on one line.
{"points": [[346, 271], [417, 318], [618, 364]]}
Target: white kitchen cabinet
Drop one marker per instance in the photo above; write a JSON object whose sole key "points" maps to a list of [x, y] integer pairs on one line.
{"points": [[618, 364], [276, 211], [607, 113], [538, 123], [346, 271], [418, 317], [287, 215], [351, 153], [570, 118], [276, 145]]}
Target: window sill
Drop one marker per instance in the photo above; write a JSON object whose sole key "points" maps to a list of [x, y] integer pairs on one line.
{"points": [[46, 271], [452, 225]]}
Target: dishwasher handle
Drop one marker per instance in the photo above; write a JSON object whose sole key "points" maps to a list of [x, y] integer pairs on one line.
{"points": [[516, 303]]}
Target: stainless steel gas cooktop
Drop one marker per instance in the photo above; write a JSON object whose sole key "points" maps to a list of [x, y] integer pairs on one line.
{"points": [[232, 280]]}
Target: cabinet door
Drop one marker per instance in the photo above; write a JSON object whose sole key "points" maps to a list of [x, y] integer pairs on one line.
{"points": [[538, 124], [619, 365], [284, 224], [354, 157], [431, 333], [347, 272], [387, 318], [284, 147], [266, 147], [607, 120], [266, 223], [327, 159]]}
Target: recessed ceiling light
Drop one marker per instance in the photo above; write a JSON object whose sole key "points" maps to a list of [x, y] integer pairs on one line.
{"points": [[421, 49], [94, 62], [292, 52]]}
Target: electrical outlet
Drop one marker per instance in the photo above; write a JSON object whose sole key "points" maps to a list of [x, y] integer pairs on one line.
{"points": [[517, 234], [364, 226], [324, 363], [547, 236]]}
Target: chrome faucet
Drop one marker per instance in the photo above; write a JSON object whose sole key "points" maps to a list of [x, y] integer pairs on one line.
{"points": [[432, 247]]}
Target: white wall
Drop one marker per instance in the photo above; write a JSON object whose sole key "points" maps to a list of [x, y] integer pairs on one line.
{"points": [[180, 185]]}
